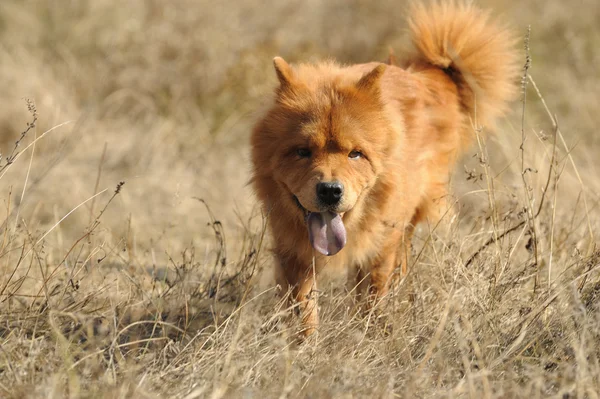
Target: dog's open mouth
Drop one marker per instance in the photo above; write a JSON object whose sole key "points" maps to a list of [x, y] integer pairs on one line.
{"points": [[326, 230]]}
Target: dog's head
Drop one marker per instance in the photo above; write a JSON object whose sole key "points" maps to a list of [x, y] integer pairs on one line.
{"points": [[322, 145]]}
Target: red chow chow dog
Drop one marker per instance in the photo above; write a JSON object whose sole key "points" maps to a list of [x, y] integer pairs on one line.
{"points": [[348, 159]]}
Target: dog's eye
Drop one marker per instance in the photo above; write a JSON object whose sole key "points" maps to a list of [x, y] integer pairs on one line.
{"points": [[355, 154], [303, 152]]}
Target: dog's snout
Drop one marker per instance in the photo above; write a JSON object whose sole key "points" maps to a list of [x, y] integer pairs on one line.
{"points": [[330, 193]]}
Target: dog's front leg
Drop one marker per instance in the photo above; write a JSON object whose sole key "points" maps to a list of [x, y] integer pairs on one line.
{"points": [[298, 279], [357, 282], [381, 275], [382, 269]]}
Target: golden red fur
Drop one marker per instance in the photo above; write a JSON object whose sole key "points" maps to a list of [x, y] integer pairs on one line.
{"points": [[350, 158]]}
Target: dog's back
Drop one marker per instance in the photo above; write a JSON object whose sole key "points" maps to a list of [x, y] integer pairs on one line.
{"points": [[465, 73]]}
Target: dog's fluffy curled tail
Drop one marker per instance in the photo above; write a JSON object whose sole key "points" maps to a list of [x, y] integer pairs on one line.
{"points": [[478, 54]]}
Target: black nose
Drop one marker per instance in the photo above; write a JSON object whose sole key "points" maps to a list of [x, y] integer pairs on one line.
{"points": [[330, 193]]}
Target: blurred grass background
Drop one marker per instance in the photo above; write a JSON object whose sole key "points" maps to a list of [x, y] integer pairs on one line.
{"points": [[172, 89], [162, 95]]}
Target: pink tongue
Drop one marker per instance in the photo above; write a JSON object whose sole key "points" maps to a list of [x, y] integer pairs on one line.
{"points": [[326, 232]]}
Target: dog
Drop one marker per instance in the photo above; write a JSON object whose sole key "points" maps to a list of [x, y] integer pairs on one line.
{"points": [[349, 159]]}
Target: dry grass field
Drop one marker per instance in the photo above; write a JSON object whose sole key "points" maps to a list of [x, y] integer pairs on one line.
{"points": [[161, 287]]}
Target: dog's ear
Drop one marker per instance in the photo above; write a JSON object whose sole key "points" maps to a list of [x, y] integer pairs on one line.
{"points": [[370, 81], [284, 71]]}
